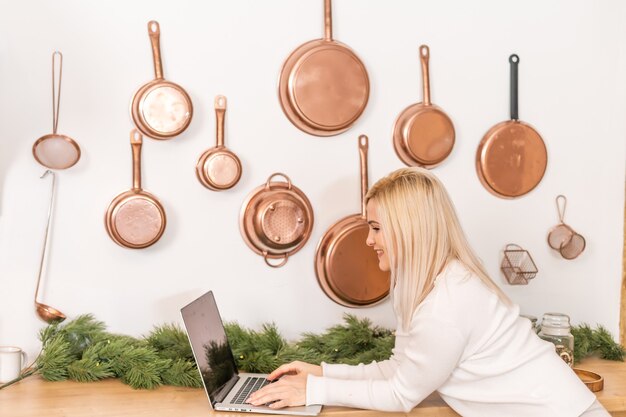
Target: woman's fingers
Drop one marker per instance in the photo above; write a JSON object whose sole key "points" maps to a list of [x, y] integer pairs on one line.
{"points": [[289, 391], [292, 367]]}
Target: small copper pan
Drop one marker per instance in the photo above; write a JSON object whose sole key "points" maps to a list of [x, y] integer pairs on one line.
{"points": [[218, 168], [423, 135], [346, 268], [160, 108], [276, 220], [512, 157], [323, 86], [135, 218]]}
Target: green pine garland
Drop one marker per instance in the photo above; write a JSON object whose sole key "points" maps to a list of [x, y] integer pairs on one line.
{"points": [[82, 350]]}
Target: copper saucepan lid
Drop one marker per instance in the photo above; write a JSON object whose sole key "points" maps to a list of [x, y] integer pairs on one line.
{"points": [[346, 268], [135, 218], [276, 220], [512, 157], [218, 168], [56, 151], [160, 109], [423, 135], [323, 86]]}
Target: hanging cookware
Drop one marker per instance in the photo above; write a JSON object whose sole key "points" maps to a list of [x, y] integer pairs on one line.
{"points": [[276, 220], [323, 86], [423, 135], [56, 151], [511, 158], [44, 311], [517, 265], [346, 268], [562, 237], [135, 218], [160, 108], [218, 168]]}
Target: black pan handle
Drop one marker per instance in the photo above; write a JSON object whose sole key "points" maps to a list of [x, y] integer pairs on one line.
{"points": [[514, 60]]}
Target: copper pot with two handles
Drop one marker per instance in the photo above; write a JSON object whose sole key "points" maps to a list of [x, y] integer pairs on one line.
{"points": [[276, 220]]}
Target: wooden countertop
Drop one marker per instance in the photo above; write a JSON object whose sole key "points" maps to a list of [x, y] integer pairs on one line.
{"points": [[110, 398]]}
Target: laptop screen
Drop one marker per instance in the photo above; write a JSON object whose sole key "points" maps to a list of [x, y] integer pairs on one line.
{"points": [[210, 345]]}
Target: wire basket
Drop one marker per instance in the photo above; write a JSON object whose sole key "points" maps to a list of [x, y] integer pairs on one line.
{"points": [[517, 265]]}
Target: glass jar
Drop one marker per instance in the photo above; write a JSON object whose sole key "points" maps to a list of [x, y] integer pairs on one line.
{"points": [[555, 328]]}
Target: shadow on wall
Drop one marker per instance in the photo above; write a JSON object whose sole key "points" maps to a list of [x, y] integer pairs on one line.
{"points": [[8, 152]]}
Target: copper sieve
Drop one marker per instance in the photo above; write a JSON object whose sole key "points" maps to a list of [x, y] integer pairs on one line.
{"points": [[218, 168], [562, 237], [160, 109], [56, 151], [135, 218], [276, 220]]}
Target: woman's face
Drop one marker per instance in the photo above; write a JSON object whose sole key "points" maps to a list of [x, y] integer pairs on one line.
{"points": [[375, 237]]}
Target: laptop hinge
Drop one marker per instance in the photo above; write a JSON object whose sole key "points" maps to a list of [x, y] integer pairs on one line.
{"points": [[223, 393]]}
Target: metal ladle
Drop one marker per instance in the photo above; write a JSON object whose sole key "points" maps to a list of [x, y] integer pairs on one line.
{"points": [[44, 311]]}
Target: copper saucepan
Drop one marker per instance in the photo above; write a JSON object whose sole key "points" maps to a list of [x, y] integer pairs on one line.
{"points": [[323, 86], [135, 218], [346, 268], [276, 220], [160, 109], [218, 168], [512, 157], [423, 135]]}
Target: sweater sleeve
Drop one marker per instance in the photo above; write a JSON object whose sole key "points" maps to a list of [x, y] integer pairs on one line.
{"points": [[433, 351]]}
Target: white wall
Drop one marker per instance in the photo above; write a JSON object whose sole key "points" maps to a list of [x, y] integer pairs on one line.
{"points": [[572, 89]]}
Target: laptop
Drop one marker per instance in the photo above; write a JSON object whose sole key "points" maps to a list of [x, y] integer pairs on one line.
{"points": [[226, 388]]}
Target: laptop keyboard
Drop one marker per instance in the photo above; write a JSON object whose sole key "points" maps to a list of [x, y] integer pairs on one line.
{"points": [[250, 385]]}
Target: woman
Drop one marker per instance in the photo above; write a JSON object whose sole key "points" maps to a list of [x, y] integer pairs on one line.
{"points": [[457, 332]]}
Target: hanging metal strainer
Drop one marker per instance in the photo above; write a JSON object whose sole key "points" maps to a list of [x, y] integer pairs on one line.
{"points": [[563, 237], [56, 151]]}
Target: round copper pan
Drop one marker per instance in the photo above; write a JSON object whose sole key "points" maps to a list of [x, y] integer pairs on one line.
{"points": [[423, 135], [276, 220], [323, 86], [346, 268], [218, 168], [135, 218], [160, 109], [512, 157]]}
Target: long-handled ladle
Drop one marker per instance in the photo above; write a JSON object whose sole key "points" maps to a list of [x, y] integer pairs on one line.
{"points": [[44, 311]]}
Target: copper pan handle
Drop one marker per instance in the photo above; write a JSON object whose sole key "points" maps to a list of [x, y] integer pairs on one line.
{"points": [[154, 30], [278, 265], [561, 200], [424, 57], [220, 112], [514, 60], [268, 183], [363, 146], [135, 143], [56, 91], [328, 21], [45, 239]]}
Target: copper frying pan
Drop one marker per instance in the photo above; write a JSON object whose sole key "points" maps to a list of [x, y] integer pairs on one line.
{"points": [[160, 109], [346, 268], [423, 135], [323, 86], [135, 218], [218, 168], [512, 157]]}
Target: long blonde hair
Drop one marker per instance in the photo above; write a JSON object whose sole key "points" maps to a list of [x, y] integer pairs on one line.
{"points": [[423, 235]]}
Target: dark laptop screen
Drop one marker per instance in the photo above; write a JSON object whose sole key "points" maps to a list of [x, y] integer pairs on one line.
{"points": [[210, 346]]}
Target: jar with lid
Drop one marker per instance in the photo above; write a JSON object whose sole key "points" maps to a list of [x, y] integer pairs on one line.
{"points": [[555, 328]]}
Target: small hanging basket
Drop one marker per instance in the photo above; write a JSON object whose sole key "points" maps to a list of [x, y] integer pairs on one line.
{"points": [[517, 265]]}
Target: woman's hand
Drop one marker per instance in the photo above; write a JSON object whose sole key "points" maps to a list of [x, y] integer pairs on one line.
{"points": [[289, 388]]}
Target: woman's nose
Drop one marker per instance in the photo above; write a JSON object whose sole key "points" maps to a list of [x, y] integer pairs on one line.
{"points": [[369, 241]]}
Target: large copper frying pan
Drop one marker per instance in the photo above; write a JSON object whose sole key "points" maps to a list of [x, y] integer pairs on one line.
{"points": [[511, 158], [346, 268], [323, 86], [160, 109], [135, 218], [423, 135]]}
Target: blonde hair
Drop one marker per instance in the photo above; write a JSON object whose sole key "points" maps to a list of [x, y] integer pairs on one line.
{"points": [[423, 235]]}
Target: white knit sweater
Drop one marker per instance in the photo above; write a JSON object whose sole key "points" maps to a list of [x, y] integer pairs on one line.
{"points": [[482, 358]]}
